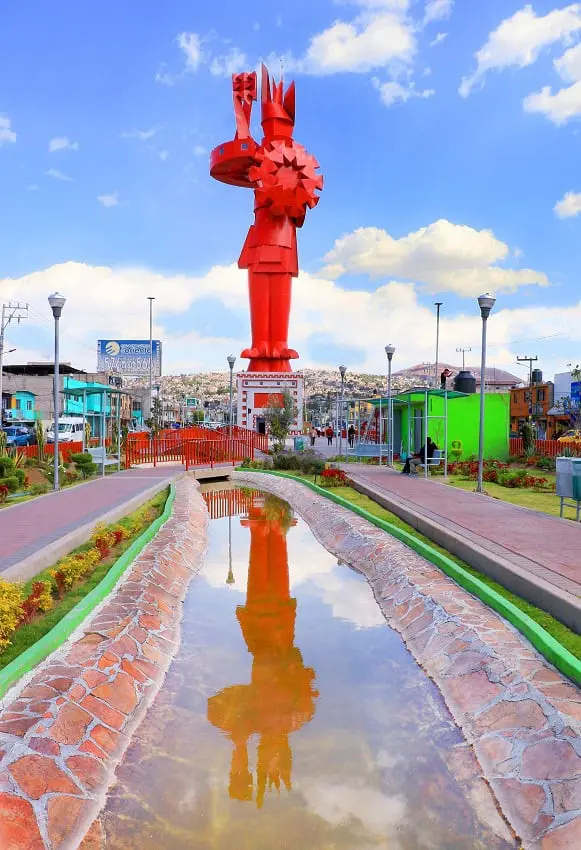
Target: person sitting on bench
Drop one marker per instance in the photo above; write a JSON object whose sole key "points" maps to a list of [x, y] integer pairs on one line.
{"points": [[420, 457]]}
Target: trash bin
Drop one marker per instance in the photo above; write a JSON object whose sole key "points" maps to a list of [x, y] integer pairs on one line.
{"points": [[576, 464], [299, 444]]}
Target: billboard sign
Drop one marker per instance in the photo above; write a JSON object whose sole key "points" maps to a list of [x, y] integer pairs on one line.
{"points": [[193, 402], [576, 393], [128, 356]]}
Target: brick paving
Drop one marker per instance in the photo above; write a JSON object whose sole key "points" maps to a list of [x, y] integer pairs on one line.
{"points": [[545, 546], [30, 526], [62, 735], [521, 716]]}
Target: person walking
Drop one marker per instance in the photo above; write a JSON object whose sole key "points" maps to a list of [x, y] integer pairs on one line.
{"points": [[351, 436], [330, 434], [313, 435]]}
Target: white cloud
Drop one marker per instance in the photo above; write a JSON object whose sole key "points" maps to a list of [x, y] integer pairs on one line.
{"points": [[58, 175], [437, 10], [62, 143], [163, 155], [391, 92], [105, 301], [231, 63], [199, 150], [441, 36], [518, 40], [109, 200], [569, 206], [191, 45], [565, 103], [143, 135], [445, 257], [33, 187], [7, 134], [372, 40]]}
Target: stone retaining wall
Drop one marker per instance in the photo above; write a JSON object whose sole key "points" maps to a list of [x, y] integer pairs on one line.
{"points": [[522, 717], [64, 733]]}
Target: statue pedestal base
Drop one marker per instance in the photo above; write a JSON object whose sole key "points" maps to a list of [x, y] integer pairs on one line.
{"points": [[253, 390]]}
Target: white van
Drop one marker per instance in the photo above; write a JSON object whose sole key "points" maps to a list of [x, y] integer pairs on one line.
{"points": [[70, 430]]}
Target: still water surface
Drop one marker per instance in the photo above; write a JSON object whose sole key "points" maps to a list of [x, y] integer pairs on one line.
{"points": [[292, 717]]}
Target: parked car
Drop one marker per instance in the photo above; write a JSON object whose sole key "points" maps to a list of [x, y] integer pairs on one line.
{"points": [[572, 436], [70, 430], [18, 436]]}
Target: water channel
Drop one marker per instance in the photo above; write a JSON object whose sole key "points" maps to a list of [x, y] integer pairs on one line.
{"points": [[292, 717]]}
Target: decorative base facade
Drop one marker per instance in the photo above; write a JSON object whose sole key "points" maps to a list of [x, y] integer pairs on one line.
{"points": [[254, 390]]}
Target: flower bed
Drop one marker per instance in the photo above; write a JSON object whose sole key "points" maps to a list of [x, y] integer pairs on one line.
{"points": [[496, 472], [23, 608]]}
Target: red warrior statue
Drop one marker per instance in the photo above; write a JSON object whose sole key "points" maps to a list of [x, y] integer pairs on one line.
{"points": [[285, 182]]}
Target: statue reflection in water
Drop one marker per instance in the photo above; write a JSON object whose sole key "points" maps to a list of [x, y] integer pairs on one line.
{"points": [[280, 697]]}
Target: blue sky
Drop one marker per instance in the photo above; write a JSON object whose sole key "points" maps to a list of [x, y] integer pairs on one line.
{"points": [[448, 134]]}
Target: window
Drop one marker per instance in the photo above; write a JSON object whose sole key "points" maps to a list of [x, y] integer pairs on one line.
{"points": [[540, 395], [515, 398], [17, 403], [29, 405], [528, 396]]}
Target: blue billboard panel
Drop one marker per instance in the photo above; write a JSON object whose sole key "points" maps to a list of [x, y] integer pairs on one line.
{"points": [[128, 356], [576, 394]]}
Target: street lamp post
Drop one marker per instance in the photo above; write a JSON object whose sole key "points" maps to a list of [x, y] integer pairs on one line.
{"points": [[342, 370], [390, 351], [151, 299], [486, 302], [57, 302], [437, 305], [231, 361]]}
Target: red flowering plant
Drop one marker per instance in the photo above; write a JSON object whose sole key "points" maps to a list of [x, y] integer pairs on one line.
{"points": [[333, 477]]}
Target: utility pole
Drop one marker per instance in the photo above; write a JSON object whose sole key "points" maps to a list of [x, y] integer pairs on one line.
{"points": [[463, 351], [13, 311], [530, 361]]}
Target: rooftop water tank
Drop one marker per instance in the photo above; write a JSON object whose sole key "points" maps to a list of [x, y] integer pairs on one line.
{"points": [[465, 382], [537, 376]]}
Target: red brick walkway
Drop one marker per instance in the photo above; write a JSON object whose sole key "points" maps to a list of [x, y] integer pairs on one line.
{"points": [[543, 545], [30, 526]]}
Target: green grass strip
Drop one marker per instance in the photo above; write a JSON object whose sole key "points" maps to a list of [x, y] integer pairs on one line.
{"points": [[71, 621], [546, 644]]}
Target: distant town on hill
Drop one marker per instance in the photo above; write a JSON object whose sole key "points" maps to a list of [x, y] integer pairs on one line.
{"points": [[214, 386]]}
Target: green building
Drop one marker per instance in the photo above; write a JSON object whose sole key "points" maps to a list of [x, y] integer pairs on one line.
{"points": [[448, 417]]}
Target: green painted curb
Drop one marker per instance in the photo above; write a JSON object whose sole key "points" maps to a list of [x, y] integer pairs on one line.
{"points": [[36, 653], [545, 643]]}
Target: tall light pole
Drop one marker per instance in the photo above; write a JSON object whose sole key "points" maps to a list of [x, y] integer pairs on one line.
{"points": [[342, 370], [390, 351], [231, 361], [437, 305], [57, 302], [151, 299], [486, 302]]}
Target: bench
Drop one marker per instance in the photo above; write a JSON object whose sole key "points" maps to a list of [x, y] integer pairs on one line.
{"points": [[99, 455], [436, 460], [367, 450]]}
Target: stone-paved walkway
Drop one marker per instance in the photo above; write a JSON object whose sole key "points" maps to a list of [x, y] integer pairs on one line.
{"points": [[62, 736], [27, 528], [521, 716], [545, 546]]}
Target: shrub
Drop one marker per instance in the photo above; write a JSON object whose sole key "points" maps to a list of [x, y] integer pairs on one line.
{"points": [[10, 611], [39, 489], [6, 466], [513, 459], [311, 464], [287, 461], [74, 568], [4, 491], [104, 539], [84, 463], [38, 600], [11, 482], [546, 463], [30, 461]]}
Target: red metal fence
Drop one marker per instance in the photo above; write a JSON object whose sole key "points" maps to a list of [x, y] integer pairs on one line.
{"points": [[66, 449], [191, 453], [544, 448], [252, 439]]}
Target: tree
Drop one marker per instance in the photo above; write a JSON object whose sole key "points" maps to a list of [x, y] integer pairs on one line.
{"points": [[570, 406], [279, 415]]}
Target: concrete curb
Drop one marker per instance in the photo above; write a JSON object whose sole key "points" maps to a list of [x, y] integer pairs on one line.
{"points": [[534, 589]]}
